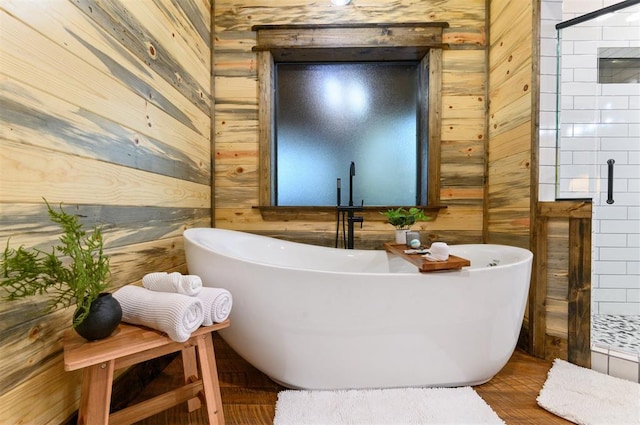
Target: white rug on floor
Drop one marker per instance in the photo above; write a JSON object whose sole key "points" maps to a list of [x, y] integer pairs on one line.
{"points": [[587, 397], [403, 406]]}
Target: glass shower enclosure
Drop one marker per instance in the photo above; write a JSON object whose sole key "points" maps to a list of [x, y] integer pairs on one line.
{"points": [[598, 157]]}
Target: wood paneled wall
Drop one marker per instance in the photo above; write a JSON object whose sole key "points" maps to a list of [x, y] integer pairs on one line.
{"points": [[511, 186], [106, 107], [512, 145], [462, 120]]}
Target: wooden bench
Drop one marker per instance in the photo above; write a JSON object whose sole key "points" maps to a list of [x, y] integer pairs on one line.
{"points": [[129, 345]]}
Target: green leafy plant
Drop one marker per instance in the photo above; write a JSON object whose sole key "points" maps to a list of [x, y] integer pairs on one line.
{"points": [[75, 272], [403, 219]]}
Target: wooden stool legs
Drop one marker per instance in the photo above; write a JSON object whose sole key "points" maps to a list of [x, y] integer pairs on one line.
{"points": [[190, 368], [95, 397], [211, 385], [134, 344], [210, 382]]}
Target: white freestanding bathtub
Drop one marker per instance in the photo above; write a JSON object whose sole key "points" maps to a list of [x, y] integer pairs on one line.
{"points": [[324, 318]]}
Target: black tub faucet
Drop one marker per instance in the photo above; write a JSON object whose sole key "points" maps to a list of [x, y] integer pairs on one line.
{"points": [[349, 211], [352, 173]]}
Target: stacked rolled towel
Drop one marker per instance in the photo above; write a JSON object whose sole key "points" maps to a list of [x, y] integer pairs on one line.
{"points": [[217, 304], [175, 314], [172, 282]]}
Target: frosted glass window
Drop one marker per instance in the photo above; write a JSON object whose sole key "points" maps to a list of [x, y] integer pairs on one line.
{"points": [[329, 114]]}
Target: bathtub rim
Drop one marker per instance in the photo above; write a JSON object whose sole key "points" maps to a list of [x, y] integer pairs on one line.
{"points": [[527, 254]]}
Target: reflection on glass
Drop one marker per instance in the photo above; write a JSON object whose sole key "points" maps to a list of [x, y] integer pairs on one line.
{"points": [[598, 122], [328, 115]]}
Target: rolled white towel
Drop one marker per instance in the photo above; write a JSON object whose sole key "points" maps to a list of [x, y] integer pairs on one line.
{"points": [[172, 282], [177, 315], [217, 304], [439, 251]]}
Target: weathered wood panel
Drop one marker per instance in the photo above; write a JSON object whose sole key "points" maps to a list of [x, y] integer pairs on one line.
{"points": [[242, 15], [536, 318], [511, 140], [239, 125], [29, 225], [579, 297], [67, 27], [464, 74], [106, 107], [561, 297], [463, 107], [557, 247], [26, 403], [37, 118], [96, 90], [162, 55], [511, 115], [29, 173], [502, 144], [430, 83], [462, 128], [359, 36]]}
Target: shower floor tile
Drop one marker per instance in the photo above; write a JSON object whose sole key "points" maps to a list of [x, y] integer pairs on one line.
{"points": [[618, 332]]}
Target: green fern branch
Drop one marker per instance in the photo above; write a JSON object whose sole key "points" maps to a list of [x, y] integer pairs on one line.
{"points": [[76, 270]]}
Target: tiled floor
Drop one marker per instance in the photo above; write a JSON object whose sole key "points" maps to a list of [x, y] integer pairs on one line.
{"points": [[615, 346]]}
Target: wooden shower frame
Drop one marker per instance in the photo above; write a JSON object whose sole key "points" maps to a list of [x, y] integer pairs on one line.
{"points": [[560, 294]]}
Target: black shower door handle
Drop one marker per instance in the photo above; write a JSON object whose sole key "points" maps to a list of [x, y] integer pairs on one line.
{"points": [[610, 163]]}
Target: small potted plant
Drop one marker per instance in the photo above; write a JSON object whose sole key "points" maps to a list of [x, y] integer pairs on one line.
{"points": [[402, 219], [75, 272]]}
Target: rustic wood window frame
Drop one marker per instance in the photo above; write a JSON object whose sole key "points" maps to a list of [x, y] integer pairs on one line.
{"points": [[353, 43]]}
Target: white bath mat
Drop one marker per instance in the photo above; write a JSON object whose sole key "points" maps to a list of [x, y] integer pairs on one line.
{"points": [[405, 406], [587, 397]]}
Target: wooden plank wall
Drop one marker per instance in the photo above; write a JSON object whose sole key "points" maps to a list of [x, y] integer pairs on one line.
{"points": [[511, 190], [463, 113], [106, 107], [511, 186]]}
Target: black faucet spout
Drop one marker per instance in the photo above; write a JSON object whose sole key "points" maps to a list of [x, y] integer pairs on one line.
{"points": [[352, 173], [347, 212]]}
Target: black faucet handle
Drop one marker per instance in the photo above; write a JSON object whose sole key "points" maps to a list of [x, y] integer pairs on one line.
{"points": [[357, 219]]}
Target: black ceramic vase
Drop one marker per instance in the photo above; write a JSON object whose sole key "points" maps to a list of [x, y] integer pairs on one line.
{"points": [[103, 318]]}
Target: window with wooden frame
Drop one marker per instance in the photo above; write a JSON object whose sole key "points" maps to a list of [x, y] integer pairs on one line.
{"points": [[420, 43]]}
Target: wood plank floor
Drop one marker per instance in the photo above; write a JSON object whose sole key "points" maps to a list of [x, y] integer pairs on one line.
{"points": [[249, 397]]}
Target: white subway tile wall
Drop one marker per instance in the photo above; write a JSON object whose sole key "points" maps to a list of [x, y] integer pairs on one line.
{"points": [[599, 122], [550, 14]]}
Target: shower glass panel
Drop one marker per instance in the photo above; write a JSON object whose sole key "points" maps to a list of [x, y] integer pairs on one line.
{"points": [[598, 157]]}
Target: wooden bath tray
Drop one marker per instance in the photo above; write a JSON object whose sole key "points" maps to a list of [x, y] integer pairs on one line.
{"points": [[422, 263]]}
